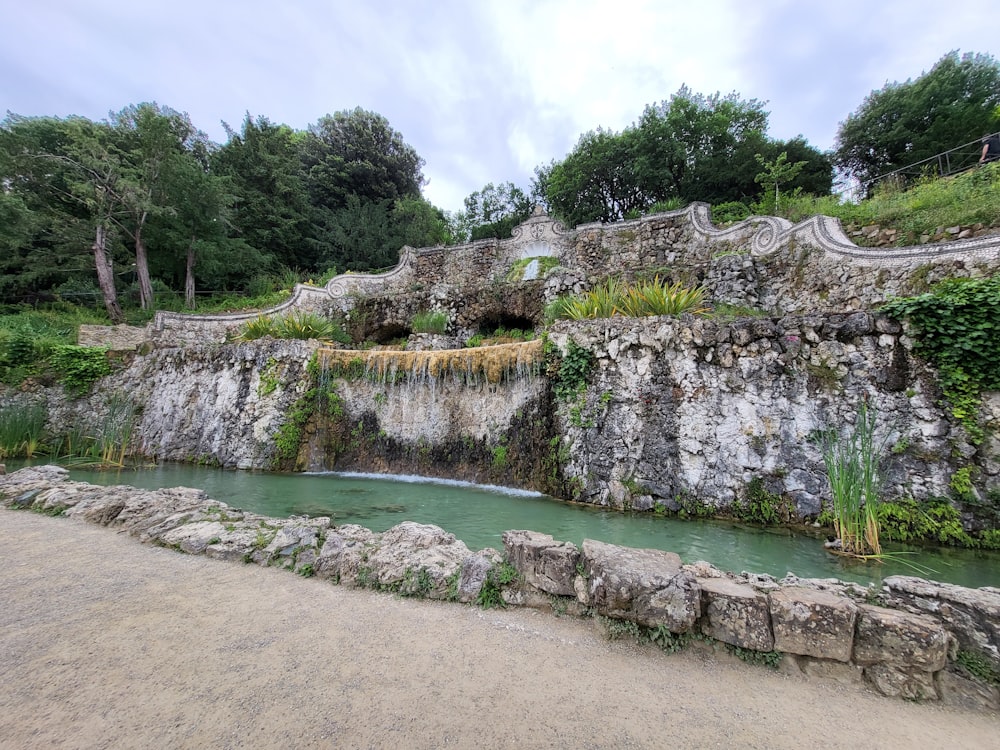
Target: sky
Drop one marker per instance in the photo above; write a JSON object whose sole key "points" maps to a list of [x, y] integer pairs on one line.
{"points": [[484, 90]]}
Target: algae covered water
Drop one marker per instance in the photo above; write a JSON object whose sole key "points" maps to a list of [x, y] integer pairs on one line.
{"points": [[479, 515]]}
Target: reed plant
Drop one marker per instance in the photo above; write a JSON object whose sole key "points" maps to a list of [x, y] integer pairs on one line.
{"points": [[108, 443], [852, 469], [22, 427]]}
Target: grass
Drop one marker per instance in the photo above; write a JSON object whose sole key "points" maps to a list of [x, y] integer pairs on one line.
{"points": [[296, 325], [968, 198], [22, 427], [614, 297], [430, 321]]}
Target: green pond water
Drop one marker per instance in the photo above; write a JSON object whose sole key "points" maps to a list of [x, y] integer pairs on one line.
{"points": [[479, 515]]}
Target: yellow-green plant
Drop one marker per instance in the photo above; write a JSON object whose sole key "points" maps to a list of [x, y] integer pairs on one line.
{"points": [[429, 321], [657, 297]]}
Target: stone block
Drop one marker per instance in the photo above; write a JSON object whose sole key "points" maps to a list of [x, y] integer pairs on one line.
{"points": [[813, 623], [644, 586], [545, 563], [912, 684], [899, 639], [735, 614], [838, 671], [956, 690]]}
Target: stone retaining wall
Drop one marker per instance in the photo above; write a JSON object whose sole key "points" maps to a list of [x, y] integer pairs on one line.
{"points": [[910, 639], [763, 262], [682, 408]]}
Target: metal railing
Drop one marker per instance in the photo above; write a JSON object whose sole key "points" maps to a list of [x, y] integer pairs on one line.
{"points": [[946, 163]]}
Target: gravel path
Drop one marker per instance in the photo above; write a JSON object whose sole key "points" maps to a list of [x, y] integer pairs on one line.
{"points": [[107, 643]]}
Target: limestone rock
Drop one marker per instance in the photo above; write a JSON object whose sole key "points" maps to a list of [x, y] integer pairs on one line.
{"points": [[645, 586], [544, 563], [193, 538], [735, 614], [971, 615], [845, 674], [899, 639], [414, 559], [345, 549], [956, 690], [475, 568], [912, 684], [813, 623]]}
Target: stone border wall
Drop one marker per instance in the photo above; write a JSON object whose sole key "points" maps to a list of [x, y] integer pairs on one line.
{"points": [[904, 640], [808, 266]]}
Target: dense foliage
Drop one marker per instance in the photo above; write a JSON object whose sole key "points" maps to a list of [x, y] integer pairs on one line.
{"points": [[957, 327], [689, 148], [900, 124]]}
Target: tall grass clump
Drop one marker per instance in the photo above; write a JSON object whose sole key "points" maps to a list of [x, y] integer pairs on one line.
{"points": [[429, 321], [297, 325], [108, 443], [22, 426], [614, 297], [852, 468]]}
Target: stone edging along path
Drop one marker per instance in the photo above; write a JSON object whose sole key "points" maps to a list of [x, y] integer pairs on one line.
{"points": [[913, 639]]}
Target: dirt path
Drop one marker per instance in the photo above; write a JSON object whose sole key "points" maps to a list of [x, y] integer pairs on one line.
{"points": [[106, 643]]}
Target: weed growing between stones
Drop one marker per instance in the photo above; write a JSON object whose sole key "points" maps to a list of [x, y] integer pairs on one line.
{"points": [[660, 636], [771, 659], [760, 506], [491, 593], [978, 666]]}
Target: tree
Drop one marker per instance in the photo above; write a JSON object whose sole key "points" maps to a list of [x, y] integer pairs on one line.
{"points": [[700, 148], [153, 141], [904, 123], [358, 153], [597, 180], [777, 172], [493, 211], [71, 172], [270, 212]]}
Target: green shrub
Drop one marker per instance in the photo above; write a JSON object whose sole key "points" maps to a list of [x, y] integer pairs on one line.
{"points": [[726, 213], [78, 367]]}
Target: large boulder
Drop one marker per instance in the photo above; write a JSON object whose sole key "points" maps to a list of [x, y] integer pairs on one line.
{"points": [[544, 563], [645, 586], [813, 623]]}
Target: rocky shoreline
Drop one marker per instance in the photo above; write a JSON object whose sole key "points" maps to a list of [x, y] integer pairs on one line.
{"points": [[912, 638]]}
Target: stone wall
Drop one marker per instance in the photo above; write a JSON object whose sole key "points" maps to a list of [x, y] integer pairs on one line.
{"points": [[911, 639], [685, 408]]}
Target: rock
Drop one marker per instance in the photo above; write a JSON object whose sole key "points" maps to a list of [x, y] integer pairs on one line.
{"points": [[644, 586], [735, 614], [956, 690], [899, 639], [845, 674], [475, 568], [345, 549], [193, 538], [971, 615], [912, 684], [544, 563], [414, 559], [813, 623]]}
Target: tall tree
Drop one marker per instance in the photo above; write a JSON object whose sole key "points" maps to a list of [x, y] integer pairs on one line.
{"points": [[72, 170], [904, 123], [153, 141], [271, 211]]}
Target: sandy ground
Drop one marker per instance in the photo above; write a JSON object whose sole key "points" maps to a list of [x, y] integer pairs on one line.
{"points": [[107, 643]]}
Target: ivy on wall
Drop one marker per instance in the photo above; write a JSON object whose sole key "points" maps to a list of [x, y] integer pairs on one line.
{"points": [[956, 326]]}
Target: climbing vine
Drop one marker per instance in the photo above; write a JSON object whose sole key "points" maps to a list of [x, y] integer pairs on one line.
{"points": [[957, 328]]}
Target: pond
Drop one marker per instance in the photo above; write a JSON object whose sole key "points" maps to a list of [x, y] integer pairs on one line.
{"points": [[479, 515]]}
